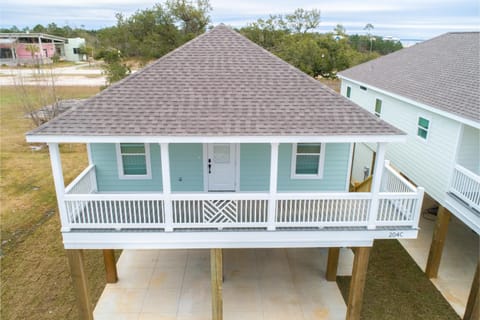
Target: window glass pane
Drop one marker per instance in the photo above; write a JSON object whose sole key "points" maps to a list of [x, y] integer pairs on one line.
{"points": [[132, 148], [307, 164], [378, 106], [221, 153], [349, 91], [422, 133], [308, 148], [422, 122], [134, 164]]}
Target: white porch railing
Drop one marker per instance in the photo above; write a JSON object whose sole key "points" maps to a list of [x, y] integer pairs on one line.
{"points": [[323, 209], [240, 210], [85, 183], [466, 185], [118, 211], [392, 181]]}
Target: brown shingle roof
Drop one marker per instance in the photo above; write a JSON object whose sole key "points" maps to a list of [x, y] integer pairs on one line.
{"points": [[443, 73], [219, 84]]}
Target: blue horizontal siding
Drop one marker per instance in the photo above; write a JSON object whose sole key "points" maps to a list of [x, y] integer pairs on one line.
{"points": [[254, 167], [335, 170], [104, 157], [186, 167]]}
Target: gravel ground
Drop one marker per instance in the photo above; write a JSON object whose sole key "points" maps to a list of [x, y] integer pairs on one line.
{"points": [[65, 76]]}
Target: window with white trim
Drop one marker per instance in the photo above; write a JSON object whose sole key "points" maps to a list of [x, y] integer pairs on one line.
{"points": [[349, 91], [133, 161], [423, 125], [378, 107], [308, 160]]}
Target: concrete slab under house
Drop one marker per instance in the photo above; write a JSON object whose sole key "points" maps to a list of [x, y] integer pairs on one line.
{"points": [[431, 92], [222, 145]]}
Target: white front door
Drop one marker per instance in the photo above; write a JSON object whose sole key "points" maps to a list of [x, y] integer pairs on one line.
{"points": [[221, 167]]}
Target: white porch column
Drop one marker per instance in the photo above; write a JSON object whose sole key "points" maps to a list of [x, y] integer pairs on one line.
{"points": [[376, 182], [93, 177], [166, 186], [273, 186], [59, 183]]}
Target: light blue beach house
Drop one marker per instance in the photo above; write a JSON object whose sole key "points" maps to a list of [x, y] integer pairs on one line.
{"points": [[220, 144]]}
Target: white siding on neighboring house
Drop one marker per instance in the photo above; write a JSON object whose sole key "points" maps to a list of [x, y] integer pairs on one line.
{"points": [[428, 163], [469, 149], [362, 159]]}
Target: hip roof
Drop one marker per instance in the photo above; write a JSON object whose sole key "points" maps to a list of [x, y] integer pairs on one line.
{"points": [[219, 84]]}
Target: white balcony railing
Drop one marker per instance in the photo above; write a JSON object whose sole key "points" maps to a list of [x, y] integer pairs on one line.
{"points": [[466, 186], [85, 183], [220, 211]]}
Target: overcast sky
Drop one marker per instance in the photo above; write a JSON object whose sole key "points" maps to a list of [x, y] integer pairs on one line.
{"points": [[404, 19]]}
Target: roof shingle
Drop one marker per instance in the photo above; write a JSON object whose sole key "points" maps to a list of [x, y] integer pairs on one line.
{"points": [[443, 73], [219, 84]]}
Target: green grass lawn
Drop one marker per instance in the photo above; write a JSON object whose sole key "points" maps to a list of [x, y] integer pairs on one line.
{"points": [[35, 275], [397, 288]]}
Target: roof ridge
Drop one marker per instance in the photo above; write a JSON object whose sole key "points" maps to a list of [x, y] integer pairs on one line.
{"points": [[124, 80], [298, 71]]}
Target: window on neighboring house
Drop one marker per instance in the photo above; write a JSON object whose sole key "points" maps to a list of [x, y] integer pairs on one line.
{"points": [[349, 92], [133, 161], [307, 160], [76, 50], [363, 88], [378, 107], [423, 126]]}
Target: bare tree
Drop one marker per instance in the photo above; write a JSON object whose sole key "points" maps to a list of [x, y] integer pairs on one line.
{"points": [[38, 95], [33, 49]]}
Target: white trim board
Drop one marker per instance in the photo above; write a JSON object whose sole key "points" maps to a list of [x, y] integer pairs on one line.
{"points": [[236, 239], [216, 139], [445, 114]]}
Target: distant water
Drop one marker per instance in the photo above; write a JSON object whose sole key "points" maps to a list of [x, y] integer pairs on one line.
{"points": [[410, 42]]}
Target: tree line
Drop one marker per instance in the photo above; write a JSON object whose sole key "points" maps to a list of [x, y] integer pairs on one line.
{"points": [[150, 33]]}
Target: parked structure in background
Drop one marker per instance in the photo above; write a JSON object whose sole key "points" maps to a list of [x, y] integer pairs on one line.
{"points": [[38, 48], [221, 144], [430, 91]]}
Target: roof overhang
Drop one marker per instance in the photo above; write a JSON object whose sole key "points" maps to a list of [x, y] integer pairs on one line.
{"points": [[32, 35], [445, 114], [215, 139]]}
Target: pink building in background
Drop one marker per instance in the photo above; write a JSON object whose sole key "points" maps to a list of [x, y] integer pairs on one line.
{"points": [[44, 50], [28, 48]]}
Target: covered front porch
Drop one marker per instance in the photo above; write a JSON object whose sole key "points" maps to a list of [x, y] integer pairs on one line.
{"points": [[132, 219]]}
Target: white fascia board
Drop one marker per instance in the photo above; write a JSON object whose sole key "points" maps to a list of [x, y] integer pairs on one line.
{"points": [[214, 139], [445, 114], [223, 239], [464, 214]]}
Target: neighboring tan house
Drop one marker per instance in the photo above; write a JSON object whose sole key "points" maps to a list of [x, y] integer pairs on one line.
{"points": [[31, 48], [220, 144], [431, 91]]}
